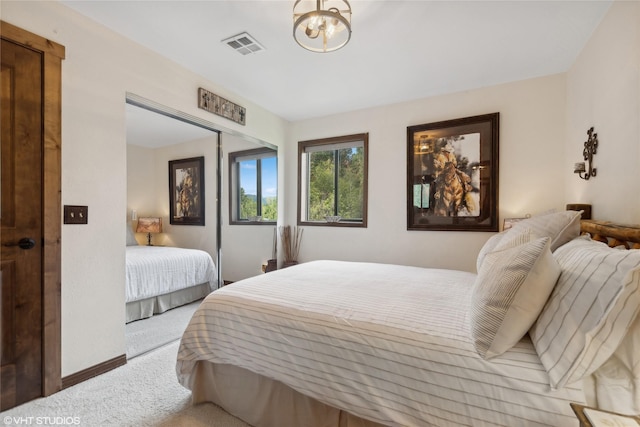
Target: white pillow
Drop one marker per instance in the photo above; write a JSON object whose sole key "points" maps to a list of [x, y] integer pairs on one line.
{"points": [[511, 289], [489, 246], [131, 238], [560, 227], [590, 310], [611, 389]]}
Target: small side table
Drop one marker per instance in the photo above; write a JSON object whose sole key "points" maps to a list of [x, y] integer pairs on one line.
{"points": [[584, 421]]}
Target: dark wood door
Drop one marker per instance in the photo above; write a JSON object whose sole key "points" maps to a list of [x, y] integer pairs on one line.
{"points": [[22, 230]]}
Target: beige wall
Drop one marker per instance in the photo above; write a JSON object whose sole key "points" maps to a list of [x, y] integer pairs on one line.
{"points": [[244, 248], [542, 131], [148, 192], [543, 125], [532, 123], [603, 91], [141, 188], [95, 81], [188, 236]]}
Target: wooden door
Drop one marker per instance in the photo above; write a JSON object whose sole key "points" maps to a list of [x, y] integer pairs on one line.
{"points": [[22, 224]]}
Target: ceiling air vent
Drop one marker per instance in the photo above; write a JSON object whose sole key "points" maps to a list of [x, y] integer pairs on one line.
{"points": [[244, 43]]}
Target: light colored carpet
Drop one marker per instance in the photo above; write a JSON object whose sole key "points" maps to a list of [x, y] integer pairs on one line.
{"points": [[148, 334], [144, 392]]}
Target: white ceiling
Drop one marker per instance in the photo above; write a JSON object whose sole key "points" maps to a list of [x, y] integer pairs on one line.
{"points": [[399, 50], [149, 129]]}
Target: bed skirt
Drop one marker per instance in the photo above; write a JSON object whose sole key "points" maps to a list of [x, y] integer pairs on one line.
{"points": [[142, 309], [263, 402]]}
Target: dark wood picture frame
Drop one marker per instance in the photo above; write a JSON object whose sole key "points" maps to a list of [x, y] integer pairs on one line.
{"points": [[452, 174], [186, 191]]}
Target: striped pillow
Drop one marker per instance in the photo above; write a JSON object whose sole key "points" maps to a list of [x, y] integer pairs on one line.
{"points": [[511, 289], [560, 227], [590, 310], [488, 247]]}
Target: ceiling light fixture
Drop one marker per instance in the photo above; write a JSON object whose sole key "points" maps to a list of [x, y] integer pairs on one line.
{"points": [[322, 25]]}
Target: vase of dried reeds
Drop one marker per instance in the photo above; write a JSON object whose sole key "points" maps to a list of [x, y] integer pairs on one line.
{"points": [[272, 264], [290, 238]]}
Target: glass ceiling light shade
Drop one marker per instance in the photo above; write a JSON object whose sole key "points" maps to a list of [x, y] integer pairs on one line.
{"points": [[322, 25]]}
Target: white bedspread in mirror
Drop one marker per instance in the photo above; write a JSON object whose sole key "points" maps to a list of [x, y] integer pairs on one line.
{"points": [[158, 270], [160, 278]]}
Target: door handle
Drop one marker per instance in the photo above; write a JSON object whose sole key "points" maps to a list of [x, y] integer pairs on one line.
{"points": [[24, 243]]}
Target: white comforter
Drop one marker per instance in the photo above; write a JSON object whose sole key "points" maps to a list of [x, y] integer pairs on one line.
{"points": [[384, 342], [158, 270]]}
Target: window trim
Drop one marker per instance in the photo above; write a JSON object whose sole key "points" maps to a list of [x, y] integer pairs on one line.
{"points": [[234, 177], [302, 149]]}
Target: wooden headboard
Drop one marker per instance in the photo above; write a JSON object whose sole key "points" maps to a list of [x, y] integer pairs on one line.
{"points": [[611, 233]]}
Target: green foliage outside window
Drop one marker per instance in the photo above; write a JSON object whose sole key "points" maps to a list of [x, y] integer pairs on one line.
{"points": [[270, 209], [344, 169], [253, 190], [249, 206]]}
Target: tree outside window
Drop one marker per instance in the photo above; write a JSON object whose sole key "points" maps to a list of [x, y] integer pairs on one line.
{"points": [[333, 180], [253, 186]]}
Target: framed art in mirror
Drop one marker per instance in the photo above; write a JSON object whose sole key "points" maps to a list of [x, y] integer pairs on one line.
{"points": [[186, 191], [452, 174]]}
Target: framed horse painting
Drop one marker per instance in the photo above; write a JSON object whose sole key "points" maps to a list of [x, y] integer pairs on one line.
{"points": [[452, 174], [186, 191]]}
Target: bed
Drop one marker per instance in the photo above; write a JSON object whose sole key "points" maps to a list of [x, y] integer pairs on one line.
{"points": [[331, 343], [160, 278]]}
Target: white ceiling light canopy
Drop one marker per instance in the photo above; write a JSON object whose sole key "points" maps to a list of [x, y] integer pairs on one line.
{"points": [[322, 25]]}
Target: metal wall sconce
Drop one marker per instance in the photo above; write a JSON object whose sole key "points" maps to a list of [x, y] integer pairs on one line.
{"points": [[590, 148]]}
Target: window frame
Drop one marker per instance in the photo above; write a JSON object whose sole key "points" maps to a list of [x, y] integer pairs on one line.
{"points": [[234, 184], [302, 146]]}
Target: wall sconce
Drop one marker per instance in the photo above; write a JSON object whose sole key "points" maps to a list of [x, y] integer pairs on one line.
{"points": [[590, 148]]}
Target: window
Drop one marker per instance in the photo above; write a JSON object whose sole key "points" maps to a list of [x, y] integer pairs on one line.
{"points": [[332, 180], [253, 186]]}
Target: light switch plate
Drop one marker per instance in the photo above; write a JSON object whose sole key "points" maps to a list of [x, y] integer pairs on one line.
{"points": [[76, 214]]}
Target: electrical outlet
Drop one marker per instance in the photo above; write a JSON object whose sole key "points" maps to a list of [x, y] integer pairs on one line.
{"points": [[76, 214]]}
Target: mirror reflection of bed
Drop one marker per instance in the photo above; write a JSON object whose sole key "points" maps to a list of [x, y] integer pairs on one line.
{"points": [[167, 280]]}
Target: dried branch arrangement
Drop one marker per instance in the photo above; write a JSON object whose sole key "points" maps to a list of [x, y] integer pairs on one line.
{"points": [[291, 238], [274, 251], [272, 264]]}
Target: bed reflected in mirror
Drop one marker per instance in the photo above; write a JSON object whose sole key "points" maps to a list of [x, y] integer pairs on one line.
{"points": [[155, 138]]}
